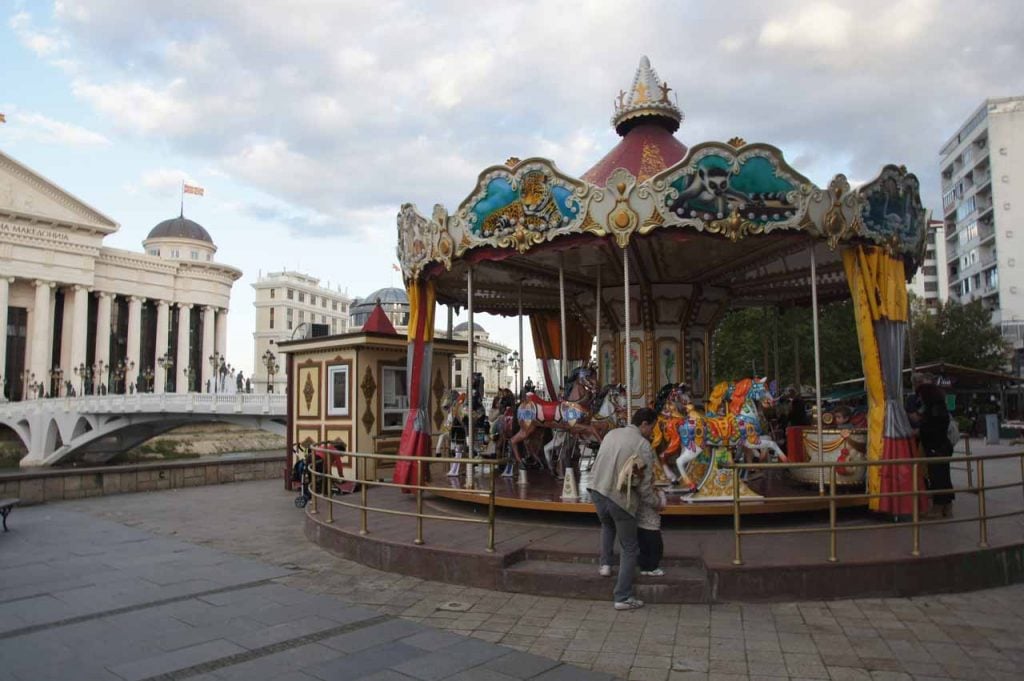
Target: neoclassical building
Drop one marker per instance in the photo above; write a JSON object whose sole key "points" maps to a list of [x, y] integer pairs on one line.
{"points": [[85, 318]]}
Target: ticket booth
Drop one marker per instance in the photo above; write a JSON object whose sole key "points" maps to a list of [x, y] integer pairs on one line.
{"points": [[353, 388]]}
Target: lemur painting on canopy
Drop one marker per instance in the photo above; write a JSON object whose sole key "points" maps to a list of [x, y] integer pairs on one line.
{"points": [[710, 194]]}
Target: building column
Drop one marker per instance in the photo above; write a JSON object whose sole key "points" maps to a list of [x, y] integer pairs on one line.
{"points": [[131, 369], [221, 340], [159, 376], [5, 292], [79, 335], [208, 348], [41, 342], [181, 381], [102, 354]]}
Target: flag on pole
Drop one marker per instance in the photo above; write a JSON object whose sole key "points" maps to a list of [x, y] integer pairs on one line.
{"points": [[3, 119], [193, 189]]}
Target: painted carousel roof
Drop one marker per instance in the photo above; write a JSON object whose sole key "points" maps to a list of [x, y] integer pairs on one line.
{"points": [[728, 222]]}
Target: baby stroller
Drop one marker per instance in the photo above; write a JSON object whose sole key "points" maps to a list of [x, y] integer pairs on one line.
{"points": [[302, 475]]}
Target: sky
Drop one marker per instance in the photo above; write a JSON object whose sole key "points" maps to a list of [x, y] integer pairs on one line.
{"points": [[310, 122]]}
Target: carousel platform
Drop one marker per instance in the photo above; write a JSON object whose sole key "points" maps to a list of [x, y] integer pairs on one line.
{"points": [[555, 553], [543, 492]]}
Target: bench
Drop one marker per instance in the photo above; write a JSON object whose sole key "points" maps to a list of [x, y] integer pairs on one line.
{"points": [[5, 509]]}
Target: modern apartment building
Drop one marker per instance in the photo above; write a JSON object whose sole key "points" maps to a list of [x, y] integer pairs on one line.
{"points": [[288, 305], [983, 207], [931, 283]]}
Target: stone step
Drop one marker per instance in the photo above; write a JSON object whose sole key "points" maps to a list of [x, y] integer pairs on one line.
{"points": [[680, 584], [556, 556]]}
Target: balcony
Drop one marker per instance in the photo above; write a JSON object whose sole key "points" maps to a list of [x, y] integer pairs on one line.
{"points": [[1013, 333]]}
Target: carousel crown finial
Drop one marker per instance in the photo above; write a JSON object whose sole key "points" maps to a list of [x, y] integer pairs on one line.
{"points": [[646, 99]]}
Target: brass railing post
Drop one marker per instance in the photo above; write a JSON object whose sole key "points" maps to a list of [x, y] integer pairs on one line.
{"points": [[329, 490], [967, 460], [313, 483], [362, 494], [915, 514], [1020, 458], [738, 558], [982, 520], [419, 500], [832, 558], [490, 512]]}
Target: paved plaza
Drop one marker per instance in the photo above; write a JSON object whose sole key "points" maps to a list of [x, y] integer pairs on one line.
{"points": [[219, 583]]}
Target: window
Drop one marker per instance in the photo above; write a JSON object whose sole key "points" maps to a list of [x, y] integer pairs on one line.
{"points": [[195, 255], [291, 294], [334, 305], [337, 390], [288, 314], [175, 253], [271, 317], [154, 251], [271, 293], [302, 297], [394, 401], [302, 316], [312, 299]]}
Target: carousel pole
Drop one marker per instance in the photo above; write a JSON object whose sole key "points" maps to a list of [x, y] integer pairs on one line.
{"points": [[625, 355], [775, 345], [597, 319], [472, 365], [564, 364], [522, 357], [817, 368]]}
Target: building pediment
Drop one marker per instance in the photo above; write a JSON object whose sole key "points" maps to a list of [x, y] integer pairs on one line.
{"points": [[26, 194]]}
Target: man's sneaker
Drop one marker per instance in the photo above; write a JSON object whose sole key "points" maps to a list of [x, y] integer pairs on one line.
{"points": [[605, 571], [656, 572], [629, 604]]}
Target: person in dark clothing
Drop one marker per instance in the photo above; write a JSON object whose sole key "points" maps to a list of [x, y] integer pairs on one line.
{"points": [[797, 410], [933, 426]]}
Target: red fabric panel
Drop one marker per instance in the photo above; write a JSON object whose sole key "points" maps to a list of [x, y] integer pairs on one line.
{"points": [[899, 477]]}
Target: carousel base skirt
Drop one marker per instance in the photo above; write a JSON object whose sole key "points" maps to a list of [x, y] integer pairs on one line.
{"points": [[543, 492]]}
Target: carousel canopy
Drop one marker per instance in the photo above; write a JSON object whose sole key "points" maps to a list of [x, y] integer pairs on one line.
{"points": [[704, 228]]}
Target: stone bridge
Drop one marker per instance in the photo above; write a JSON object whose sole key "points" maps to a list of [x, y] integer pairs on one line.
{"points": [[99, 427]]}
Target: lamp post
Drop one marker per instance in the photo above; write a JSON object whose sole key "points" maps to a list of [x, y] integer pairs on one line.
{"points": [[165, 362], [190, 377], [56, 374], [101, 375], [147, 375], [84, 374], [270, 362], [28, 380], [498, 364], [121, 373], [215, 361], [513, 363]]}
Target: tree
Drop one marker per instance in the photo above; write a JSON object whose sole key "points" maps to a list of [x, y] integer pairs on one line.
{"points": [[746, 336], [958, 334]]}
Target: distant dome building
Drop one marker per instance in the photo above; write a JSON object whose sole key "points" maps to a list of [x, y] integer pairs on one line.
{"points": [[462, 331], [394, 301], [180, 239]]}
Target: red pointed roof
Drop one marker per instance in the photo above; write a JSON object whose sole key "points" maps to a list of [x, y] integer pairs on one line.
{"points": [[646, 117], [378, 322]]}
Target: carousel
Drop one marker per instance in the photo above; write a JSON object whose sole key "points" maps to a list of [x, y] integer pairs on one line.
{"points": [[639, 258]]}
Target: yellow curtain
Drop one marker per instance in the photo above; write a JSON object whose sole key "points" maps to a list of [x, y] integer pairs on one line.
{"points": [[878, 286], [547, 337]]}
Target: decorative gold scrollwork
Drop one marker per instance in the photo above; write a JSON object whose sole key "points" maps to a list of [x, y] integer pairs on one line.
{"points": [[734, 227]]}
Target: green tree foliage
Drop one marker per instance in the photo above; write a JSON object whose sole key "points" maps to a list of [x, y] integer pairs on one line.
{"points": [[958, 334], [746, 338]]}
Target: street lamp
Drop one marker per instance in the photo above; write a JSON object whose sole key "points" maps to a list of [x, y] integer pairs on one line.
{"points": [[513, 363], [101, 375], [215, 363], [84, 374], [190, 377], [270, 362], [148, 376], [165, 362], [498, 364], [121, 375], [56, 374]]}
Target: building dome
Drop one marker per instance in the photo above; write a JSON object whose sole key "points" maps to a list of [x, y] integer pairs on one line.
{"points": [[394, 301], [464, 327], [645, 117], [180, 228]]}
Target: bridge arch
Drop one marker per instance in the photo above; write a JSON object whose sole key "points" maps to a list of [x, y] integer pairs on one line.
{"points": [[53, 441], [82, 426]]}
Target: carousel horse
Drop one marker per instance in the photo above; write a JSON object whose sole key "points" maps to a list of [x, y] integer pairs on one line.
{"points": [[503, 426], [572, 414], [452, 440], [667, 439], [746, 399]]}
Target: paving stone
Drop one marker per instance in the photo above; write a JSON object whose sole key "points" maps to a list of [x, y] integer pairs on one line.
{"points": [[179, 659], [365, 662]]}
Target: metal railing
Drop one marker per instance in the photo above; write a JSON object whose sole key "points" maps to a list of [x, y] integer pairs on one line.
{"points": [[322, 488], [833, 530]]}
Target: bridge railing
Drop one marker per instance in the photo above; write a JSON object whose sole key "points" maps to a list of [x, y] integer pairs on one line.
{"points": [[247, 403]]}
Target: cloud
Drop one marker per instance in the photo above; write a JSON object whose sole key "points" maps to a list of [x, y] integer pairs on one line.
{"points": [[39, 128], [162, 182], [43, 43]]}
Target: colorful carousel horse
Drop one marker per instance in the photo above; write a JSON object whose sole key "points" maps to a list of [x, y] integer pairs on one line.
{"points": [[666, 439], [745, 400], [572, 414], [452, 440]]}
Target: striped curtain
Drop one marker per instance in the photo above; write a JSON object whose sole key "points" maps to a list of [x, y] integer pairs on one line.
{"points": [[416, 435]]}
